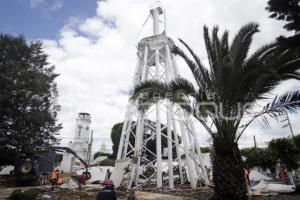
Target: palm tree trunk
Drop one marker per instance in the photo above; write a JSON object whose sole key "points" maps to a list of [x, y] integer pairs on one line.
{"points": [[228, 173]]}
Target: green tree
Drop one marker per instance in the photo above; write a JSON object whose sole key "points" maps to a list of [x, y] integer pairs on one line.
{"points": [[115, 138], [28, 93], [107, 162], [285, 151], [99, 153], [296, 140], [205, 149], [234, 82], [259, 157], [288, 11]]}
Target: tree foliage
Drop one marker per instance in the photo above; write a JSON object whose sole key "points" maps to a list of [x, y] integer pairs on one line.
{"points": [[99, 153], [107, 162], [115, 135], [205, 149], [285, 150], [28, 94], [288, 11], [259, 157], [296, 140]]}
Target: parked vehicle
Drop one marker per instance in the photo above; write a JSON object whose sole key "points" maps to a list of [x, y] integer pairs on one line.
{"points": [[34, 168]]}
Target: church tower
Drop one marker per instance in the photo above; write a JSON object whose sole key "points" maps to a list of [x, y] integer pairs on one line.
{"points": [[80, 144], [82, 135]]}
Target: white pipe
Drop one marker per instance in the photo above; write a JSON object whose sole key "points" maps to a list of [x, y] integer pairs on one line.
{"points": [[168, 65], [158, 129], [191, 169], [128, 133], [139, 144], [175, 68], [177, 146], [200, 156], [145, 66], [121, 144], [192, 142], [155, 14], [186, 150], [170, 153]]}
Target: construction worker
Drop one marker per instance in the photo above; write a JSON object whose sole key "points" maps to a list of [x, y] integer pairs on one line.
{"points": [[246, 174], [282, 175], [108, 192], [54, 178]]}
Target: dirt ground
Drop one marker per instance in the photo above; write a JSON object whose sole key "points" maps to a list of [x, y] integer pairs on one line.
{"points": [[279, 197], [89, 193]]}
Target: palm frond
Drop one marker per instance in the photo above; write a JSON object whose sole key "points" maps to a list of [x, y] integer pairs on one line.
{"points": [[224, 43], [195, 69], [211, 54], [182, 85], [241, 43], [151, 87], [150, 92], [266, 68], [204, 74], [261, 53], [288, 102], [217, 45]]}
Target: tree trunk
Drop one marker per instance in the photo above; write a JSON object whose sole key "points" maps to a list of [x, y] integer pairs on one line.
{"points": [[228, 173]]}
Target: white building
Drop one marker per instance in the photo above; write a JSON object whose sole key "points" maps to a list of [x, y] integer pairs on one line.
{"points": [[80, 144]]}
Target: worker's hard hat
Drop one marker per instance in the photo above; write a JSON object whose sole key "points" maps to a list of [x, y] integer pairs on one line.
{"points": [[108, 182]]}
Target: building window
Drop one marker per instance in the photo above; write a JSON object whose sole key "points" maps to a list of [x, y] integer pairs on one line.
{"points": [[79, 130]]}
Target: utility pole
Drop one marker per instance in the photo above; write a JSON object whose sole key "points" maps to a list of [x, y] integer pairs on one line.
{"points": [[288, 123], [254, 140], [89, 152]]}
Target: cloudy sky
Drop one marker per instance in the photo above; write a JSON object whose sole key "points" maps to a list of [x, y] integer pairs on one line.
{"points": [[93, 46]]}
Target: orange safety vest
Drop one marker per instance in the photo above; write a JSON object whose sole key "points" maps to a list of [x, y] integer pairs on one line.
{"points": [[246, 173], [282, 175], [54, 175]]}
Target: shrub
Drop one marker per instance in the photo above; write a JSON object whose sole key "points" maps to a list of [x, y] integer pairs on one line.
{"points": [[30, 194], [107, 162]]}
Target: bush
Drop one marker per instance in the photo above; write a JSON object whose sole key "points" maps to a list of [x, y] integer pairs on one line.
{"points": [[98, 154], [107, 162], [30, 194]]}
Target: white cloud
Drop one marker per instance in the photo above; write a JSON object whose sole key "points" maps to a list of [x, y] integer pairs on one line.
{"points": [[47, 5], [38, 3], [96, 56], [57, 5]]}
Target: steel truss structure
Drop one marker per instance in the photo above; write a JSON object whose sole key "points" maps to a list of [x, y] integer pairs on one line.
{"points": [[156, 62]]}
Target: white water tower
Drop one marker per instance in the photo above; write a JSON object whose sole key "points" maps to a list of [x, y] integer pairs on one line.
{"points": [[156, 62]]}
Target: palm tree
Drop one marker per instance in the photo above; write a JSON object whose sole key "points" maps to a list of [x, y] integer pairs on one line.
{"points": [[235, 82]]}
